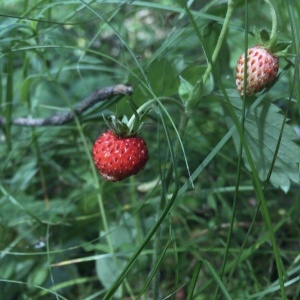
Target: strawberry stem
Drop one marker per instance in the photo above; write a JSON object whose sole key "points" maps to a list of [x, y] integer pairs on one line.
{"points": [[198, 88], [274, 18], [143, 107]]}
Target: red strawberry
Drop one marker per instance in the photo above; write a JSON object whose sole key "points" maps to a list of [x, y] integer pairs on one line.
{"points": [[119, 157], [262, 68]]}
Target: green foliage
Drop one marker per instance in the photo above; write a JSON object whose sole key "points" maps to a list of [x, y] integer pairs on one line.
{"points": [[263, 134], [215, 212]]}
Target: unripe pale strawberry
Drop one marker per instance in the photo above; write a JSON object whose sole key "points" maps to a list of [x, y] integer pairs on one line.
{"points": [[262, 68]]}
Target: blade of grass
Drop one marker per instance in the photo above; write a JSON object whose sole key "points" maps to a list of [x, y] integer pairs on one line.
{"points": [[247, 252], [100, 16], [239, 164], [270, 290], [9, 98], [260, 195], [153, 230], [217, 279], [35, 286], [194, 279], [292, 9], [176, 260], [14, 202], [154, 270]]}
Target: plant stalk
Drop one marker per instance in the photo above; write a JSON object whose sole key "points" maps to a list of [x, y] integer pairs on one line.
{"points": [[197, 91], [239, 165], [274, 18]]}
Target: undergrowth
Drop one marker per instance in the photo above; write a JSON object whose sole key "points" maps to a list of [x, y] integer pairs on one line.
{"points": [[215, 212]]}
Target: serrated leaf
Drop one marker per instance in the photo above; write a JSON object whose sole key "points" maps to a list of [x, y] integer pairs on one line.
{"points": [[262, 130]]}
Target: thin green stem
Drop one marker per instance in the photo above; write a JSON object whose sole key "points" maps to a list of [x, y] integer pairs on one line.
{"points": [[259, 190], [194, 279], [274, 18], [197, 91], [229, 12], [182, 127], [9, 98], [98, 185], [161, 217], [1, 88], [148, 237], [40, 166], [239, 167], [142, 108], [157, 240], [100, 200]]}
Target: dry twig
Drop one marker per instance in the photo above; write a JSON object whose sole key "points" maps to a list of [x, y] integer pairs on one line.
{"points": [[66, 117]]}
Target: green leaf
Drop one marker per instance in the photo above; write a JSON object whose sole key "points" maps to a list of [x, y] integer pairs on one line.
{"points": [[271, 44], [264, 35], [282, 46], [38, 275], [256, 33], [163, 79], [221, 65], [194, 279], [24, 175], [185, 89], [193, 75], [109, 266], [108, 269], [262, 130], [25, 88], [26, 210]]}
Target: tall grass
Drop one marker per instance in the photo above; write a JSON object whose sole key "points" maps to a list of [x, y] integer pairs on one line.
{"points": [[205, 219]]}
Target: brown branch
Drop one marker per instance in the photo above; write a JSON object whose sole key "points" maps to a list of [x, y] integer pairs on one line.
{"points": [[63, 118]]}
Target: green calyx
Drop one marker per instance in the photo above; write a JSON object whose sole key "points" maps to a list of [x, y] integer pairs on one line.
{"points": [[118, 126], [122, 127], [270, 43]]}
